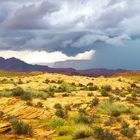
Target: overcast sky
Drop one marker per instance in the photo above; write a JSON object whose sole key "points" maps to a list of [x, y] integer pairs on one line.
{"points": [[106, 33]]}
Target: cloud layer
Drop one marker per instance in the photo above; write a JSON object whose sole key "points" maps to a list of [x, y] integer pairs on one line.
{"points": [[43, 56], [69, 27]]}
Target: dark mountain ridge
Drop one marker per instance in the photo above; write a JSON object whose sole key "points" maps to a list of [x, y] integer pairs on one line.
{"points": [[15, 64]]}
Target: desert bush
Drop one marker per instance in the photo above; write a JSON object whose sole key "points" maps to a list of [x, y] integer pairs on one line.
{"points": [[7, 81], [21, 93], [50, 91], [134, 91], [90, 94], [117, 91], [26, 96], [108, 122], [94, 102], [82, 131], [28, 103], [98, 131], [60, 113], [60, 81], [106, 88], [124, 124], [129, 132], [65, 94], [46, 81], [114, 109], [133, 85], [1, 113], [6, 93], [135, 117], [90, 84], [81, 118], [65, 130], [58, 106], [104, 93], [67, 107], [18, 91], [106, 134], [66, 87], [131, 98], [80, 85], [11, 118], [20, 82], [39, 104], [120, 80], [115, 113], [22, 128], [91, 87]]}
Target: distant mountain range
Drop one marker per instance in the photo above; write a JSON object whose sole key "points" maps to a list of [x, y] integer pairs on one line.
{"points": [[15, 64], [66, 64]]}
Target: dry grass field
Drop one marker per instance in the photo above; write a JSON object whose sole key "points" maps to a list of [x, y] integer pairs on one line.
{"points": [[45, 106]]}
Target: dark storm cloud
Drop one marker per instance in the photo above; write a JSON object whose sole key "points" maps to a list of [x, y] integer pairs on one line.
{"points": [[30, 17], [68, 26]]}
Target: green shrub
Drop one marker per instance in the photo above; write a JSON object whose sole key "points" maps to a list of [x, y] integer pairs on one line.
{"points": [[115, 113], [98, 131], [58, 106], [106, 88], [106, 134], [90, 94], [81, 118], [131, 99], [66, 87], [109, 135], [60, 113], [26, 96], [114, 109], [10, 118], [104, 93], [133, 85], [65, 94], [22, 128], [60, 81], [108, 122], [7, 81], [46, 81], [91, 87], [90, 84], [39, 104], [129, 132], [54, 122], [65, 130], [124, 124], [18, 91], [51, 91], [29, 103], [82, 110], [94, 101], [67, 107], [20, 82], [80, 85], [135, 117], [82, 132]]}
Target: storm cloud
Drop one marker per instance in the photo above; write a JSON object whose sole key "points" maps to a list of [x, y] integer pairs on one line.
{"points": [[70, 27]]}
